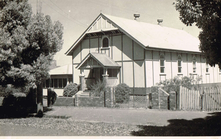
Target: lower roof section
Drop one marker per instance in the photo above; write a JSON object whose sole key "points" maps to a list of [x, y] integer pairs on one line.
{"points": [[93, 60]]}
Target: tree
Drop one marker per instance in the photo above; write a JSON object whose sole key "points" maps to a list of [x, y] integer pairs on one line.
{"points": [[27, 45], [206, 14]]}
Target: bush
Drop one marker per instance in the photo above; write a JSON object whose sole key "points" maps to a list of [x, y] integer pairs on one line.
{"points": [[122, 92], [52, 96], [175, 83], [97, 88], [15, 105], [70, 90]]}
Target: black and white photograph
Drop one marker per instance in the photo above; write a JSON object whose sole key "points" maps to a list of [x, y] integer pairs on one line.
{"points": [[110, 68]]}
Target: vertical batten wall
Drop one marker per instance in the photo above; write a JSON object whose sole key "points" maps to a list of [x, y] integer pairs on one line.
{"points": [[154, 76], [130, 56], [141, 68]]}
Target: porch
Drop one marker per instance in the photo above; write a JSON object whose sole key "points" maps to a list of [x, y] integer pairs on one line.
{"points": [[95, 67]]}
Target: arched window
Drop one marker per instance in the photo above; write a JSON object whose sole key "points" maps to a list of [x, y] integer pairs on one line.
{"points": [[162, 64], [179, 63], [105, 42]]}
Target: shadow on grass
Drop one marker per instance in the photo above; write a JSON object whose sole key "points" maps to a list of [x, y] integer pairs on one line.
{"points": [[208, 126], [20, 112]]}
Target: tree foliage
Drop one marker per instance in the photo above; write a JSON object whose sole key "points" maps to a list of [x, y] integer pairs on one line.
{"points": [[206, 14], [27, 44]]}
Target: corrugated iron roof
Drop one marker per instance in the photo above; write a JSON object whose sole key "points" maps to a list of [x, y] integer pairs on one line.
{"points": [[63, 70], [102, 59], [156, 36], [150, 35]]}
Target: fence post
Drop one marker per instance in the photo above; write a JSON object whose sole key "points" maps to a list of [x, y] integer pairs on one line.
{"points": [[112, 97], [159, 98], [180, 97], [76, 100], [168, 102], [104, 95], [201, 101]]}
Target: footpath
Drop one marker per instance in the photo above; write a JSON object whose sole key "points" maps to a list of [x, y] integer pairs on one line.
{"points": [[127, 116]]}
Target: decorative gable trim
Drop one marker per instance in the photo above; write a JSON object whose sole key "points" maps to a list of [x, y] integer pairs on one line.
{"points": [[100, 24]]}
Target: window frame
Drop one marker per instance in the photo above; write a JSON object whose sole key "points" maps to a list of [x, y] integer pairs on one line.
{"points": [[179, 59], [162, 65], [207, 68], [105, 37], [194, 65]]}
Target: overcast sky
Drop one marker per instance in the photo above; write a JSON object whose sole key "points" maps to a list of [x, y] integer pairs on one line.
{"points": [[77, 15]]}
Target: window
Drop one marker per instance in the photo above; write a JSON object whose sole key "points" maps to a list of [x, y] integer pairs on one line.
{"points": [[105, 42], [194, 65], [60, 84], [56, 82], [207, 68], [162, 64], [64, 82], [179, 64]]}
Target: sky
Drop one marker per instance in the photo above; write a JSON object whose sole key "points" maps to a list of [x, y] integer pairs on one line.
{"points": [[77, 15]]}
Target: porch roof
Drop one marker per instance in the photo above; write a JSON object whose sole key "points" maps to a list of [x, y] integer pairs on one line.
{"points": [[102, 60]]}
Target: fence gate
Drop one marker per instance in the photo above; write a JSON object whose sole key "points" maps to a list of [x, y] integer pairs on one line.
{"points": [[211, 98], [189, 99], [138, 101], [206, 98], [135, 101]]}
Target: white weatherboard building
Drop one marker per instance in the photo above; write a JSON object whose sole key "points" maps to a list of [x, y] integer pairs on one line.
{"points": [[136, 53], [59, 78]]}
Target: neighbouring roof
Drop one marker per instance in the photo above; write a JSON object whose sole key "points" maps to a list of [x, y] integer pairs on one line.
{"points": [[63, 70], [150, 35], [102, 60]]}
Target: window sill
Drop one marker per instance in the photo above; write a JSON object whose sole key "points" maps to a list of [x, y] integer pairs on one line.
{"points": [[179, 74], [105, 48], [193, 73], [163, 74], [207, 73]]}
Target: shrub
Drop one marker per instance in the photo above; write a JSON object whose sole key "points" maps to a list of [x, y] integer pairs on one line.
{"points": [[52, 96], [97, 88], [15, 105], [175, 83], [122, 92], [70, 90]]}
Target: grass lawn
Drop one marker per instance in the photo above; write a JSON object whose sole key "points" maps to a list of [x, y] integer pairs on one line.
{"points": [[49, 125]]}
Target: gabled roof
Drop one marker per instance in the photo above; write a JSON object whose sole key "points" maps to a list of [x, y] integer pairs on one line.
{"points": [[149, 35], [63, 70], [102, 60]]}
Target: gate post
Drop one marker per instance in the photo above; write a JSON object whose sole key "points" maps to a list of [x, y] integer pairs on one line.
{"points": [[159, 98], [168, 102], [201, 101], [76, 100], [112, 96]]}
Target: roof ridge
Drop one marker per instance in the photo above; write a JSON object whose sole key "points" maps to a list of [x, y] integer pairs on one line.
{"points": [[145, 22]]}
